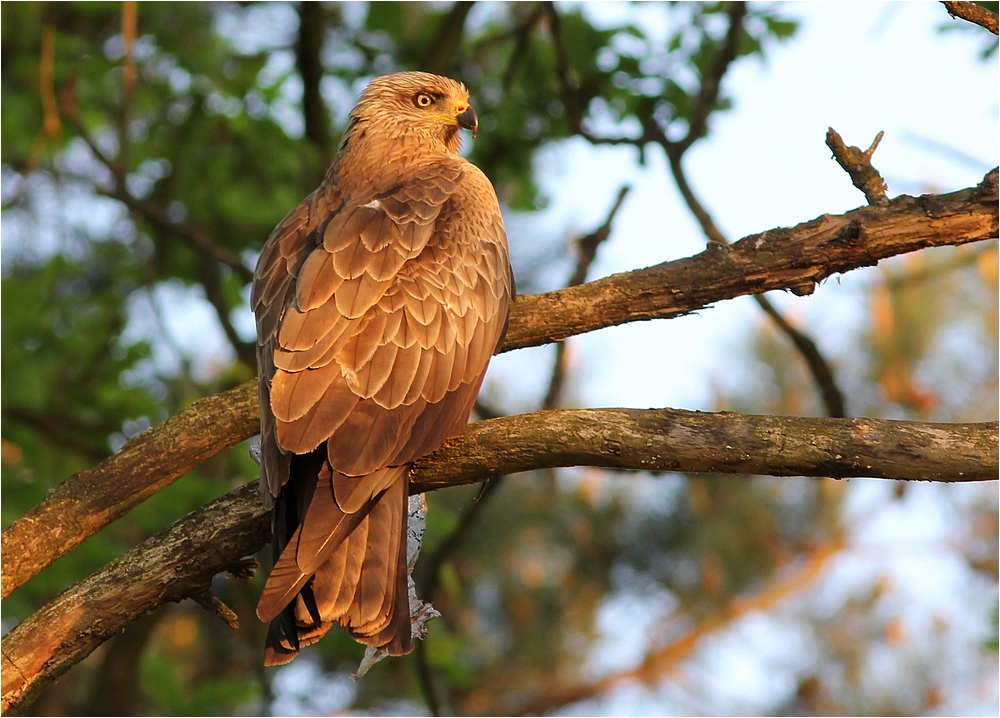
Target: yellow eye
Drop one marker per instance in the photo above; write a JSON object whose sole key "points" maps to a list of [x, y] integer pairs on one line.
{"points": [[423, 100]]}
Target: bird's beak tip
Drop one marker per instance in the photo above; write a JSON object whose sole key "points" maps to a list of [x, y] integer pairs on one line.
{"points": [[469, 120]]}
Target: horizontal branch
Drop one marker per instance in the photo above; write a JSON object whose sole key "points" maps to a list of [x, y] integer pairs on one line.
{"points": [[180, 561], [795, 259], [707, 442]]}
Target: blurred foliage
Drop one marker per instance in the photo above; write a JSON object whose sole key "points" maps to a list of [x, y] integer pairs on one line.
{"points": [[107, 187]]}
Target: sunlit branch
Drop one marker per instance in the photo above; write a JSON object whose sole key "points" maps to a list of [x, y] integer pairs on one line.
{"points": [[973, 13]]}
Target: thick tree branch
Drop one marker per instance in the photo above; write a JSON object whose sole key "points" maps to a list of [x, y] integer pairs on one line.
{"points": [[89, 500], [175, 564], [793, 259], [974, 13], [180, 561], [727, 443]]}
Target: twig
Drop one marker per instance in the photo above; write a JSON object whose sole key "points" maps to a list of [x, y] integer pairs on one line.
{"points": [[210, 275], [587, 253], [974, 13], [708, 92], [521, 33], [214, 605], [858, 164], [777, 259], [157, 216], [441, 53], [820, 369]]}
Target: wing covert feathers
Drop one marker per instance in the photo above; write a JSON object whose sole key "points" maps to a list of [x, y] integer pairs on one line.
{"points": [[379, 301]]}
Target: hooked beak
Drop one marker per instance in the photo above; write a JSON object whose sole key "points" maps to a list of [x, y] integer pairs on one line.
{"points": [[468, 119]]}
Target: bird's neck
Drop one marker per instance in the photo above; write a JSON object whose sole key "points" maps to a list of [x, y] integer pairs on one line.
{"points": [[368, 150]]}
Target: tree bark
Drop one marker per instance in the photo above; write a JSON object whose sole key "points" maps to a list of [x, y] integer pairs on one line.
{"points": [[795, 259], [181, 561]]}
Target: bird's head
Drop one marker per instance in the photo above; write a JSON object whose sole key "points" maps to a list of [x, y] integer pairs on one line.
{"points": [[435, 106]]}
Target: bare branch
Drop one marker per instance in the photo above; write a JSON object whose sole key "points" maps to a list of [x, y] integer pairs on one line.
{"points": [[180, 562], [820, 369], [157, 216], [308, 48], [173, 565], [974, 13], [708, 93], [586, 254], [442, 51], [858, 164], [89, 500], [793, 259], [688, 441]]}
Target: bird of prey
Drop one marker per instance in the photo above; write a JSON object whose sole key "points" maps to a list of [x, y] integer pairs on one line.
{"points": [[379, 301]]}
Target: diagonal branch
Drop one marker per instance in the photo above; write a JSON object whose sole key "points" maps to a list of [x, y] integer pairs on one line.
{"points": [[441, 54], [795, 259], [664, 658], [180, 562], [587, 252], [89, 500], [711, 83], [973, 13], [157, 216], [820, 369], [858, 164]]}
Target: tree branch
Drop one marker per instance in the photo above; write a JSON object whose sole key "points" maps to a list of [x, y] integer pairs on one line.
{"points": [[308, 47], [173, 565], [179, 562], [89, 500], [794, 258], [858, 164], [155, 215], [975, 14], [820, 369], [711, 83], [441, 54], [586, 254], [660, 660]]}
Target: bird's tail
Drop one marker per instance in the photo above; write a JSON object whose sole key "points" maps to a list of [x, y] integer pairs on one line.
{"points": [[344, 561]]}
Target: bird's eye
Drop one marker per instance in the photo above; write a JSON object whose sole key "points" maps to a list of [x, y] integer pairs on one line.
{"points": [[423, 100]]}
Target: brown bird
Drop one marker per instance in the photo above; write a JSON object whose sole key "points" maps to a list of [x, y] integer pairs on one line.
{"points": [[379, 302]]}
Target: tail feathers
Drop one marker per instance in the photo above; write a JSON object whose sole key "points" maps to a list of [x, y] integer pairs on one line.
{"points": [[343, 567]]}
